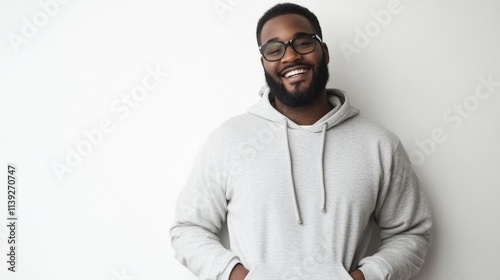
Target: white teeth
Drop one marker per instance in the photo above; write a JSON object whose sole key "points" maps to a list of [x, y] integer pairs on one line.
{"points": [[295, 72]]}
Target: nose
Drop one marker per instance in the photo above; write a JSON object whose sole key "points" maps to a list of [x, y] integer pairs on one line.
{"points": [[290, 55]]}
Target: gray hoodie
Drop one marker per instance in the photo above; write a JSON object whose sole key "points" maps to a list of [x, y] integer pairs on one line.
{"points": [[301, 202]]}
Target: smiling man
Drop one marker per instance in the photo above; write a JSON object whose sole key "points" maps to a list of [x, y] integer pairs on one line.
{"points": [[301, 178]]}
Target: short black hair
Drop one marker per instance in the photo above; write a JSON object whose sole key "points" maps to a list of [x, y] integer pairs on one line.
{"points": [[285, 9]]}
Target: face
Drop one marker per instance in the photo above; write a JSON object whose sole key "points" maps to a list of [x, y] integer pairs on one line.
{"points": [[295, 80]]}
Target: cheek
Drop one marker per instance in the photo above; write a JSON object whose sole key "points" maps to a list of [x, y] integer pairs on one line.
{"points": [[270, 68]]}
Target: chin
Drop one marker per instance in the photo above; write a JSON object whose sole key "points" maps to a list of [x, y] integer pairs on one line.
{"points": [[298, 87], [300, 93]]}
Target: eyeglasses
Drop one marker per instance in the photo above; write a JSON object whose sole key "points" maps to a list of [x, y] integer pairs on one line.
{"points": [[301, 44]]}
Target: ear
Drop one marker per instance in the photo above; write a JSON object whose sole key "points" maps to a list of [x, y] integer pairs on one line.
{"points": [[262, 61], [326, 53]]}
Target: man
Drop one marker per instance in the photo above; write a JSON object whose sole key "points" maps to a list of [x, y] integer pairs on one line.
{"points": [[300, 177]]}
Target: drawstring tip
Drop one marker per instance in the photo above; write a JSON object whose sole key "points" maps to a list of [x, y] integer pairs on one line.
{"points": [[323, 210], [299, 222]]}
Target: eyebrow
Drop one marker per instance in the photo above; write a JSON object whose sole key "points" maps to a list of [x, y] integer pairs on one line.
{"points": [[294, 35]]}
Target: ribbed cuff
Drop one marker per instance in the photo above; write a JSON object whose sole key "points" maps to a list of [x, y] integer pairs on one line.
{"points": [[227, 272], [371, 272]]}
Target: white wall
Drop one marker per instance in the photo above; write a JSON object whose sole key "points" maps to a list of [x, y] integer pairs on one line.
{"points": [[109, 217]]}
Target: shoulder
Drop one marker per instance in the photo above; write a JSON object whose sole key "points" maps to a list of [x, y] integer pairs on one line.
{"points": [[370, 130], [377, 143], [238, 128]]}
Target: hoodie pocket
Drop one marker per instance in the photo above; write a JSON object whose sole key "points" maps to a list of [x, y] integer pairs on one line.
{"points": [[297, 272]]}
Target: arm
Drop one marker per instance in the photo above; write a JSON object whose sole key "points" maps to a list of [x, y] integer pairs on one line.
{"points": [[404, 216], [200, 213]]}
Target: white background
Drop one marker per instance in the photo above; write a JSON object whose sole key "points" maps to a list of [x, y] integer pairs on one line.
{"points": [[109, 217]]}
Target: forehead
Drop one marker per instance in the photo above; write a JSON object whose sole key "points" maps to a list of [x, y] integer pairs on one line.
{"points": [[284, 27]]}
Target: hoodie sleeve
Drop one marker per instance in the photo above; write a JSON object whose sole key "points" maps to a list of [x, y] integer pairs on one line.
{"points": [[200, 213], [404, 216]]}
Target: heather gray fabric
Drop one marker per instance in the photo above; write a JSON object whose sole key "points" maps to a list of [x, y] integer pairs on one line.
{"points": [[300, 201]]}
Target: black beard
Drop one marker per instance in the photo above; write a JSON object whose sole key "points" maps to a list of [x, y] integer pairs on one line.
{"points": [[300, 98]]}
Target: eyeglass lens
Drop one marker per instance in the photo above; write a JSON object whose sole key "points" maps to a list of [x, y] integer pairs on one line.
{"points": [[276, 50]]}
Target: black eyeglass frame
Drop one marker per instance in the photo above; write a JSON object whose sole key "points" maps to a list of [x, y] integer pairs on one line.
{"points": [[289, 42]]}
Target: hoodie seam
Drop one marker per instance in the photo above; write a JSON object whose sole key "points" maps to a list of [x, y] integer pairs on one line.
{"points": [[392, 163], [382, 191], [220, 174]]}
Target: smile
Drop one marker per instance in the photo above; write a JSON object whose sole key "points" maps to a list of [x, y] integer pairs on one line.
{"points": [[294, 72]]}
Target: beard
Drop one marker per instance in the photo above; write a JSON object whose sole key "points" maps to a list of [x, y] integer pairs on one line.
{"points": [[299, 98]]}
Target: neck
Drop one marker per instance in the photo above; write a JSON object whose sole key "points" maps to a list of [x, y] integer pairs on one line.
{"points": [[307, 114]]}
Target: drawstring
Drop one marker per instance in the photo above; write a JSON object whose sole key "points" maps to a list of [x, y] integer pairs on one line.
{"points": [[322, 169], [296, 204], [322, 172]]}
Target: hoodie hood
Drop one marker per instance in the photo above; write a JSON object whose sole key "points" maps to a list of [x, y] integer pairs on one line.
{"points": [[342, 111]]}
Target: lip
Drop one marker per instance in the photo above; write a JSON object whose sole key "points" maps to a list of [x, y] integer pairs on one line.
{"points": [[296, 78], [289, 69]]}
